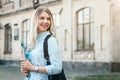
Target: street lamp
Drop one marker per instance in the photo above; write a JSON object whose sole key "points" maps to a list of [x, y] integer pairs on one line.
{"points": [[36, 3]]}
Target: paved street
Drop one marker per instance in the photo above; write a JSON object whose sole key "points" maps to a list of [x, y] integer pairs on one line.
{"points": [[10, 73]]}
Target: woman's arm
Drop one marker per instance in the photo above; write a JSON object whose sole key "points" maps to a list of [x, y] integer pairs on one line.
{"points": [[55, 58], [26, 66]]}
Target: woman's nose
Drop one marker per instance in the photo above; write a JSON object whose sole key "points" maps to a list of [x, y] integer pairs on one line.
{"points": [[45, 20]]}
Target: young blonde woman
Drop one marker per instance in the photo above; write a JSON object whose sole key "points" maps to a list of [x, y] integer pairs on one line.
{"points": [[35, 67]]}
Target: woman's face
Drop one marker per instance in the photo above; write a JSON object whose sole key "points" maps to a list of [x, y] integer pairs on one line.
{"points": [[44, 22]]}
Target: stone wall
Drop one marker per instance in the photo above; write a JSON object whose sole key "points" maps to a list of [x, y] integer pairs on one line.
{"points": [[86, 68]]}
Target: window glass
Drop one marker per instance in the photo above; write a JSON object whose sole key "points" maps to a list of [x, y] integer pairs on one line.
{"points": [[85, 31], [26, 29], [8, 38]]}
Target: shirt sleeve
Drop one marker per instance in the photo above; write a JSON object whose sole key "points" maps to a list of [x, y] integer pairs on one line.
{"points": [[55, 58]]}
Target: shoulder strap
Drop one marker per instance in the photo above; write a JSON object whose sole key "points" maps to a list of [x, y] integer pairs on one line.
{"points": [[45, 48]]}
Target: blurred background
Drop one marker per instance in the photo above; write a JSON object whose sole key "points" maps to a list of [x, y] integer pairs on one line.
{"points": [[88, 33]]}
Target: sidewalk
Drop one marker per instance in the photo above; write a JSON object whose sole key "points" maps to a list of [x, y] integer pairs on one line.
{"points": [[10, 73], [13, 73]]}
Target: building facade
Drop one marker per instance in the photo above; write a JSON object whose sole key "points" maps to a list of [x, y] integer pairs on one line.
{"points": [[87, 32]]}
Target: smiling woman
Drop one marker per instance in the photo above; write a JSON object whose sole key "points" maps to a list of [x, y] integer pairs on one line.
{"points": [[35, 66]]}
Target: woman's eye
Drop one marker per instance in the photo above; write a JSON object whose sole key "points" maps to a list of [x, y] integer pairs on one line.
{"points": [[41, 18], [48, 19]]}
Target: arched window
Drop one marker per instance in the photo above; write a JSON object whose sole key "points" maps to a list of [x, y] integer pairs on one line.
{"points": [[85, 29], [8, 39], [25, 30]]}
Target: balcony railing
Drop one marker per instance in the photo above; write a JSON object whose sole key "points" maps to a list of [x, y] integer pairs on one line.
{"points": [[26, 3], [48, 1], [43, 2], [14, 6], [8, 7]]}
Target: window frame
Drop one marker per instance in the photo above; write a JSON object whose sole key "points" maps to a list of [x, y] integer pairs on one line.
{"points": [[8, 39], [83, 24], [26, 21]]}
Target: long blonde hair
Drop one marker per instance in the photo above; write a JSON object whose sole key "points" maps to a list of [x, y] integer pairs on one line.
{"points": [[33, 32]]}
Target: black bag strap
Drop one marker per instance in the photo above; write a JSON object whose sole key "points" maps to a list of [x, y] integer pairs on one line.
{"points": [[45, 48], [60, 76]]}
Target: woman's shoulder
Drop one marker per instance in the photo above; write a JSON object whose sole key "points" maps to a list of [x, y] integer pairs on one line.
{"points": [[52, 39], [52, 42]]}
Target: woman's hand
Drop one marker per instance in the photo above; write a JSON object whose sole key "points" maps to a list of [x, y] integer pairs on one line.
{"points": [[23, 69], [26, 66]]}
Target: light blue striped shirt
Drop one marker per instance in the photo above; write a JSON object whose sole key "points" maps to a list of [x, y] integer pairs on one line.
{"points": [[37, 57]]}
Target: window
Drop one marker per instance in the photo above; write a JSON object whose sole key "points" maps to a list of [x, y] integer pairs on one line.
{"points": [[8, 38], [7, 1], [56, 20], [102, 30], [16, 34], [65, 40], [85, 29], [0, 4], [25, 31]]}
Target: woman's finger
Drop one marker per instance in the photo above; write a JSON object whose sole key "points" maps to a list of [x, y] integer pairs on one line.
{"points": [[24, 70], [23, 64]]}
